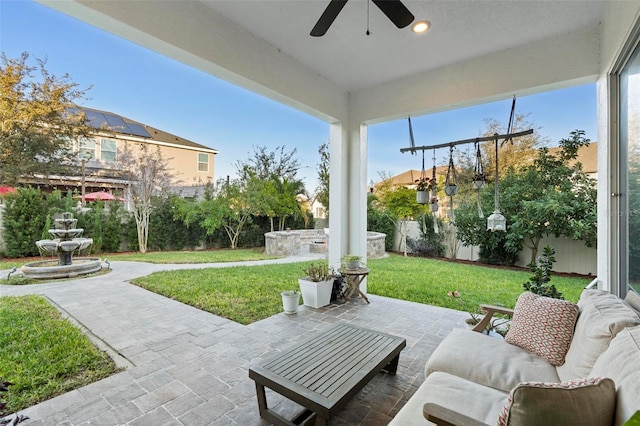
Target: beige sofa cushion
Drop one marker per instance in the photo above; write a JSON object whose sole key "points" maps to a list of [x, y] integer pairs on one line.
{"points": [[456, 394], [602, 316], [587, 402], [621, 362], [543, 325], [488, 361]]}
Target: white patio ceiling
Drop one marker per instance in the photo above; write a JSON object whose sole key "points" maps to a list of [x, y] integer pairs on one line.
{"points": [[265, 45]]}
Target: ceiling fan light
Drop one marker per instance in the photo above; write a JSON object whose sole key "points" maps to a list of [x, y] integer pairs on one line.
{"points": [[421, 27]]}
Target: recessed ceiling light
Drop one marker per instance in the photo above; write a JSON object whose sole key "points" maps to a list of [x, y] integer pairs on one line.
{"points": [[421, 26]]}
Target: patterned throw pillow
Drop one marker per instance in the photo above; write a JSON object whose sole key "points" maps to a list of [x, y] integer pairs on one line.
{"points": [[543, 326], [588, 402]]}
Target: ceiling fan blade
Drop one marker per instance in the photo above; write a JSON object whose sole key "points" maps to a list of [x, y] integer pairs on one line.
{"points": [[327, 18], [396, 11]]}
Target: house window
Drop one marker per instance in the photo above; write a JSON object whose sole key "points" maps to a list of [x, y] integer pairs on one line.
{"points": [[203, 162], [108, 150], [87, 149], [629, 199]]}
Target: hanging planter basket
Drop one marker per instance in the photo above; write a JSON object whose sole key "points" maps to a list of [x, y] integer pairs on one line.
{"points": [[451, 189], [478, 183]]}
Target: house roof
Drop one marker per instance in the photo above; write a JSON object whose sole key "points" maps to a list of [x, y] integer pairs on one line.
{"points": [[105, 120], [410, 177]]}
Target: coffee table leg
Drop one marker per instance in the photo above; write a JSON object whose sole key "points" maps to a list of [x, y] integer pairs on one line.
{"points": [[392, 367], [262, 399]]}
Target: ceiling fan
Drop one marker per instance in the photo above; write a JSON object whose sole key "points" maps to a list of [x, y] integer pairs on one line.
{"points": [[394, 9]]}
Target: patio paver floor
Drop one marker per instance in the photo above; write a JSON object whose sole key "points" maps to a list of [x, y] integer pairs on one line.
{"points": [[185, 366]]}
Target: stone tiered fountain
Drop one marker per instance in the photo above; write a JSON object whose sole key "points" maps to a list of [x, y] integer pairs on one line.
{"points": [[67, 240]]}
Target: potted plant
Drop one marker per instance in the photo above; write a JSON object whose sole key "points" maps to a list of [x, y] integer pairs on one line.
{"points": [[317, 284], [497, 326], [290, 301], [350, 262], [422, 196]]}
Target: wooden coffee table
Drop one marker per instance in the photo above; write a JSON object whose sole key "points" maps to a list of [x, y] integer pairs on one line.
{"points": [[325, 372]]}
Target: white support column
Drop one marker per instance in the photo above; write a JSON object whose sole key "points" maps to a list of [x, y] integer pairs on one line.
{"points": [[347, 191], [338, 193]]}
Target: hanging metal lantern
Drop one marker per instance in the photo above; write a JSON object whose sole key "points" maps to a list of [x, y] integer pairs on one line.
{"points": [[496, 222]]}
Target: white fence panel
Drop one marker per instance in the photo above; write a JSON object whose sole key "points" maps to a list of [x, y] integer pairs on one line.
{"points": [[571, 256]]}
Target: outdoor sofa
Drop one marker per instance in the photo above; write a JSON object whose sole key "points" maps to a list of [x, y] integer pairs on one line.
{"points": [[475, 379]]}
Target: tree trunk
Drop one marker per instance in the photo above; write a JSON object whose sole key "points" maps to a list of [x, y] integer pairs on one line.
{"points": [[534, 248]]}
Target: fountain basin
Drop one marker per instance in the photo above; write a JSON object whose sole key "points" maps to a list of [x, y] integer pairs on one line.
{"points": [[66, 233], [50, 269]]}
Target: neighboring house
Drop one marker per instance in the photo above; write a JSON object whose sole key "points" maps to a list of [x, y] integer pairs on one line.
{"points": [[588, 156], [190, 162]]}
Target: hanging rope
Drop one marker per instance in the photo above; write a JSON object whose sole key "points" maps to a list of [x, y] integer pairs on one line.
{"points": [[511, 121], [479, 178], [412, 141], [434, 195]]}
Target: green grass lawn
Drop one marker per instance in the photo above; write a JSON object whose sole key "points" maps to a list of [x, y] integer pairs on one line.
{"points": [[42, 354], [250, 293], [204, 256]]}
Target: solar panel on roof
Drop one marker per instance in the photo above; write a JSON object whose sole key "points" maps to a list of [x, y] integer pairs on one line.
{"points": [[115, 122], [138, 130]]}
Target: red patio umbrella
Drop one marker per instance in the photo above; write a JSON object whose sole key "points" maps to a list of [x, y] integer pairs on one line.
{"points": [[6, 189], [101, 195]]}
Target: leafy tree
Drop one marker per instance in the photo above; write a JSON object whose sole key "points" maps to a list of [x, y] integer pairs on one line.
{"points": [[148, 174], [379, 220], [550, 196], [38, 119], [230, 207], [516, 153], [264, 164], [270, 177], [323, 176], [400, 203], [25, 219]]}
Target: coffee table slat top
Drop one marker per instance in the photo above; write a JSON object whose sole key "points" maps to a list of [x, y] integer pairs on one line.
{"points": [[330, 368]]}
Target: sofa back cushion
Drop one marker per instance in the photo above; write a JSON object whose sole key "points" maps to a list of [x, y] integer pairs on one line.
{"points": [[621, 362], [543, 326], [602, 317], [588, 402]]}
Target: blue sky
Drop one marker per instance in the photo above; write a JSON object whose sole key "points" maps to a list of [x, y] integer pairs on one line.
{"points": [[144, 86]]}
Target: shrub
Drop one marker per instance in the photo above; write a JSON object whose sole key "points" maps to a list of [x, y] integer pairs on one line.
{"points": [[541, 268]]}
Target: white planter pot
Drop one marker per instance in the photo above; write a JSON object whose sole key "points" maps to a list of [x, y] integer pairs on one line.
{"points": [[478, 184], [290, 301], [451, 190], [422, 197], [316, 294]]}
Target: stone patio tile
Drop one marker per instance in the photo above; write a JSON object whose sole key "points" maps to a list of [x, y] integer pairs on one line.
{"points": [[57, 404], [160, 396], [122, 394], [155, 381], [118, 416], [88, 410], [157, 417], [183, 404], [208, 412]]}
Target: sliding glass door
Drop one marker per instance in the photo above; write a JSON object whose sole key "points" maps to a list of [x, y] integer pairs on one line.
{"points": [[629, 133]]}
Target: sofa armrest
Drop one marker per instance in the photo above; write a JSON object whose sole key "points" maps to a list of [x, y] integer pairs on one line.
{"points": [[445, 417], [489, 311]]}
